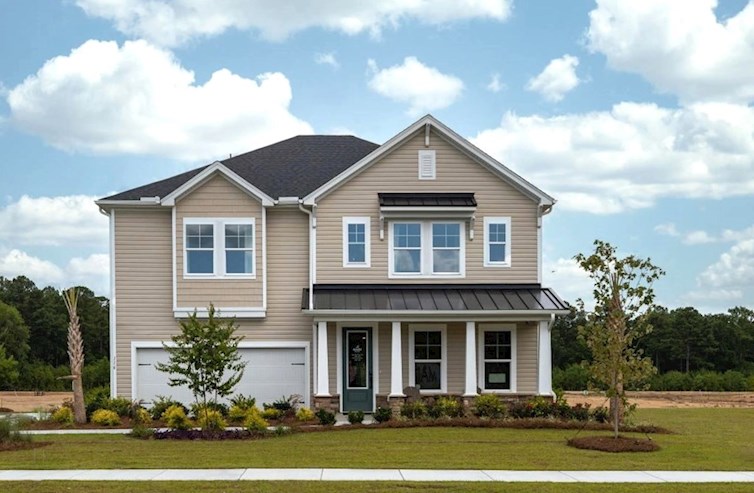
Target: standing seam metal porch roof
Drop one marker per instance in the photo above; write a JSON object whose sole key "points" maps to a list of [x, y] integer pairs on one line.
{"points": [[427, 200], [433, 297]]}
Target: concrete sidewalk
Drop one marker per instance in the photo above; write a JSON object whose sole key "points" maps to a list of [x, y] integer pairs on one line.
{"points": [[428, 475]]}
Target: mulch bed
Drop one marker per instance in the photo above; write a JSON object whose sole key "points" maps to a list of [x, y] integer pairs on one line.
{"points": [[23, 445], [207, 435], [612, 444]]}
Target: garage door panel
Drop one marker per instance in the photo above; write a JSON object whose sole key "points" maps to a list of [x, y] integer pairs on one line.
{"points": [[271, 373]]}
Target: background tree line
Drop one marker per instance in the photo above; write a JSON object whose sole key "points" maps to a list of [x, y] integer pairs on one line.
{"points": [[33, 331], [691, 350]]}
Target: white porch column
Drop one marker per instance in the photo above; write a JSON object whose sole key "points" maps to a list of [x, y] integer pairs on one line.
{"points": [[323, 374], [544, 355], [396, 362], [471, 374]]}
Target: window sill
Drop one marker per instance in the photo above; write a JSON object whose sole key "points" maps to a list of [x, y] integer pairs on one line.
{"points": [[240, 277], [393, 275], [221, 312], [356, 266], [498, 391], [505, 265]]}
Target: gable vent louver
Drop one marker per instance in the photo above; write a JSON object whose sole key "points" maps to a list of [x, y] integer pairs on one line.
{"points": [[427, 165]]}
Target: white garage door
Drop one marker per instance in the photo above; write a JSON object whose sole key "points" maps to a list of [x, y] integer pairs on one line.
{"points": [[270, 374]]}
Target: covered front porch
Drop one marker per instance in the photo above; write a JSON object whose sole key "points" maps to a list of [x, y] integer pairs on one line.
{"points": [[366, 356]]}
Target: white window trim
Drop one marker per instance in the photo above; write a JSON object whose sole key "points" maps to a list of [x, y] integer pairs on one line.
{"points": [[218, 239], [412, 329], [480, 356], [433, 155], [367, 241], [426, 251], [497, 220]]}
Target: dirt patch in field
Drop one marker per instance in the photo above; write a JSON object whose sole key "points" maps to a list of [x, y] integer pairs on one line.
{"points": [[611, 444], [16, 446], [659, 400], [27, 402]]}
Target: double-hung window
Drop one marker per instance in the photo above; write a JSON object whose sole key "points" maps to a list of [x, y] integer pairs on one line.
{"points": [[497, 349], [427, 249], [428, 354], [497, 241], [356, 242], [219, 247]]}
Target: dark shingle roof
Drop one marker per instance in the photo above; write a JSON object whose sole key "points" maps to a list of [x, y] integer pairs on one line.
{"points": [[433, 297], [291, 168], [427, 199]]}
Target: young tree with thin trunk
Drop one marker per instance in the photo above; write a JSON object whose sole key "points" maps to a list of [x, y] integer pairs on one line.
{"points": [[75, 353], [201, 356], [623, 298]]}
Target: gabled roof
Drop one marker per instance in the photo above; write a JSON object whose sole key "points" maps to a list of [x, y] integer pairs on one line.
{"points": [[459, 142], [290, 168]]}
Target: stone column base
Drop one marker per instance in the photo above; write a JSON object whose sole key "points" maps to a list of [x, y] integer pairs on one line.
{"points": [[331, 403], [395, 404]]}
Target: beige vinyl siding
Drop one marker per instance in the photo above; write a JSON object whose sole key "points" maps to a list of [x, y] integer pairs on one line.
{"points": [[526, 359], [456, 364], [219, 198], [143, 284], [397, 172]]}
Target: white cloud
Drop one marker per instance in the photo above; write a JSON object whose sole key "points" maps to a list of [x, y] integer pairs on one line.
{"points": [[53, 221], [137, 99], [734, 268], [92, 271], [558, 78], [706, 296], [18, 263], [626, 158], [495, 84], [172, 23], [423, 88], [679, 46], [667, 229], [569, 280], [698, 237], [326, 59]]}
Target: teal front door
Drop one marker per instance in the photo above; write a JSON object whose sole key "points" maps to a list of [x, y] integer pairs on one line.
{"points": [[357, 369]]}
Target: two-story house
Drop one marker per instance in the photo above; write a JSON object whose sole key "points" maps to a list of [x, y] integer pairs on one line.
{"points": [[353, 270]]}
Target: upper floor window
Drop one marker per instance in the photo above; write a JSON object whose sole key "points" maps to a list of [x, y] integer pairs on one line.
{"points": [[216, 247], [426, 249], [497, 241], [356, 243]]}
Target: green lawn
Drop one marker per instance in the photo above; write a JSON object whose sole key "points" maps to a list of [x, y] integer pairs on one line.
{"points": [[706, 439], [370, 487]]}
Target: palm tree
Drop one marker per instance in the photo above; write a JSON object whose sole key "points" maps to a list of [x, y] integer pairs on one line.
{"points": [[75, 353]]}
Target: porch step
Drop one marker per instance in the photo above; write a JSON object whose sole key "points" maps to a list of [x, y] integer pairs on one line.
{"points": [[342, 419]]}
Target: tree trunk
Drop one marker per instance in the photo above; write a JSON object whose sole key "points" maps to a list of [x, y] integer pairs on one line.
{"points": [[79, 410], [688, 356]]}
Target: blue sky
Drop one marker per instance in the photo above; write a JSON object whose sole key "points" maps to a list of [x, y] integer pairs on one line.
{"points": [[637, 115]]}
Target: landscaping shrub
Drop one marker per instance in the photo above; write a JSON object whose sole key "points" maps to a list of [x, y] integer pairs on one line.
{"points": [[601, 414], [210, 419], [735, 381], [254, 421], [383, 414], [9, 432], [105, 417], [579, 412], [325, 417], [175, 418], [355, 417], [414, 410], [449, 407], [162, 404], [63, 415], [237, 414], [672, 381], [305, 414], [243, 402], [489, 406], [196, 408], [120, 406], [286, 405], [141, 431], [573, 377], [96, 398], [272, 413], [709, 381], [141, 416]]}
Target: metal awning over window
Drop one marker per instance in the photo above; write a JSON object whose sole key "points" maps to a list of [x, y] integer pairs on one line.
{"points": [[429, 299], [427, 200]]}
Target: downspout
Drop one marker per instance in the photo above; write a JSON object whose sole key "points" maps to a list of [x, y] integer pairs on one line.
{"points": [[312, 247]]}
